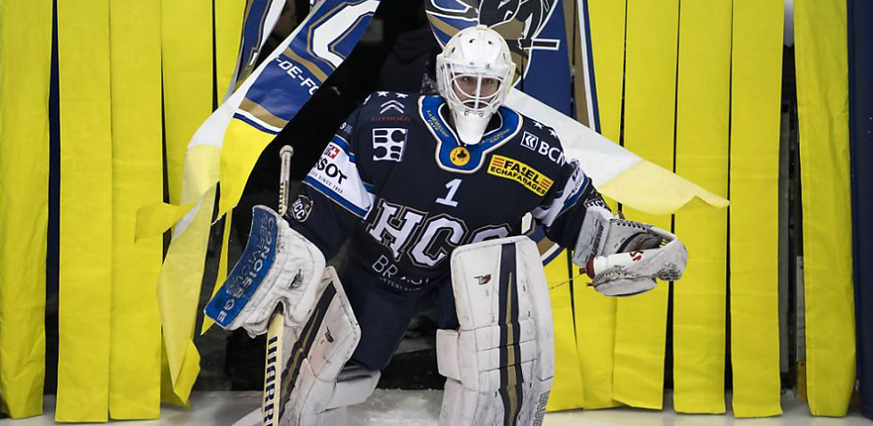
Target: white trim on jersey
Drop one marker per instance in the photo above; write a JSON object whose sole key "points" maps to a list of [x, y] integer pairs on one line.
{"points": [[569, 196]]}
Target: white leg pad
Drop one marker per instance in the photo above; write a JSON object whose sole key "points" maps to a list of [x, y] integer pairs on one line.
{"points": [[314, 392], [500, 364]]}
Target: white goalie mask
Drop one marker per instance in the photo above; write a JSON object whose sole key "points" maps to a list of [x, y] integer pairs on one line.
{"points": [[474, 75]]}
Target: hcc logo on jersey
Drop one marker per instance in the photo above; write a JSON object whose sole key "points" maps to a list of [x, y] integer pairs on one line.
{"points": [[389, 144]]}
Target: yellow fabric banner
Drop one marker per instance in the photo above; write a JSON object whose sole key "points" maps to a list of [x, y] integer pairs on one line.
{"points": [[85, 212], [228, 32], [595, 313], [650, 82], [178, 303], [702, 116], [754, 171], [607, 21], [186, 49], [25, 65], [137, 176], [567, 385], [595, 339], [822, 104], [188, 84]]}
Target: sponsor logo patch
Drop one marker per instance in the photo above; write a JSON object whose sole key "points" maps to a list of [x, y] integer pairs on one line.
{"points": [[392, 105], [527, 176], [333, 172], [483, 279], [535, 144], [390, 119], [346, 128], [530, 141], [460, 156], [389, 144]]}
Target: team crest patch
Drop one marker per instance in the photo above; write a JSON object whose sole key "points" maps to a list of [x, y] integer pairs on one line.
{"points": [[389, 143], [527, 176], [300, 209], [460, 156]]}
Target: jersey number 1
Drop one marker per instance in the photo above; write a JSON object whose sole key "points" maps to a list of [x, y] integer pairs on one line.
{"points": [[448, 199]]}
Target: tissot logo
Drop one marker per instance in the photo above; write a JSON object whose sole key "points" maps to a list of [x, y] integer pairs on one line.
{"points": [[331, 170]]}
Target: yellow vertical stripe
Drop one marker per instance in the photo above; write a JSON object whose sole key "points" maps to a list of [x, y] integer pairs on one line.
{"points": [[188, 84], [178, 293], [228, 31], [607, 20], [595, 313], [568, 380], [85, 211], [702, 115], [595, 337], [25, 66], [822, 102], [650, 92], [137, 174], [186, 50], [754, 171]]}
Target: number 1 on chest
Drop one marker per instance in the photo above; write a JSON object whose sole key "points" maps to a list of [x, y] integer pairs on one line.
{"points": [[448, 199]]}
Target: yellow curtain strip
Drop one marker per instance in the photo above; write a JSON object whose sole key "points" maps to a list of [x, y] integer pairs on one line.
{"points": [[188, 84], [25, 67], [702, 115], [754, 172], [186, 49], [650, 78], [595, 313], [607, 20], [85, 212], [822, 97], [568, 380], [137, 173], [228, 30], [178, 294]]}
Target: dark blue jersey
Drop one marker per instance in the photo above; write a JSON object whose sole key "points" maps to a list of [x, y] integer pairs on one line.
{"points": [[397, 181]]}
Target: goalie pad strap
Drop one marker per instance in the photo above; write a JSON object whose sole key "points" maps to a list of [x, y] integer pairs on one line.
{"points": [[500, 362]]}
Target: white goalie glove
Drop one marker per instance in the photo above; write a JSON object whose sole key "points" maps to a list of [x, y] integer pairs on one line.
{"points": [[623, 257], [277, 265]]}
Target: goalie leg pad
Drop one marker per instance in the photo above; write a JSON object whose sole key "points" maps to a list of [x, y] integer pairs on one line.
{"points": [[314, 392], [500, 363]]}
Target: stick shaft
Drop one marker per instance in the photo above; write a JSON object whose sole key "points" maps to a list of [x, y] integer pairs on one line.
{"points": [[285, 178]]}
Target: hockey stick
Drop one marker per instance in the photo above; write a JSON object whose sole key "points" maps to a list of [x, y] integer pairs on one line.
{"points": [[275, 331]]}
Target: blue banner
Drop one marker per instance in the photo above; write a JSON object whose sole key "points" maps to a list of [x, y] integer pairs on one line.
{"points": [[534, 30], [323, 41]]}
